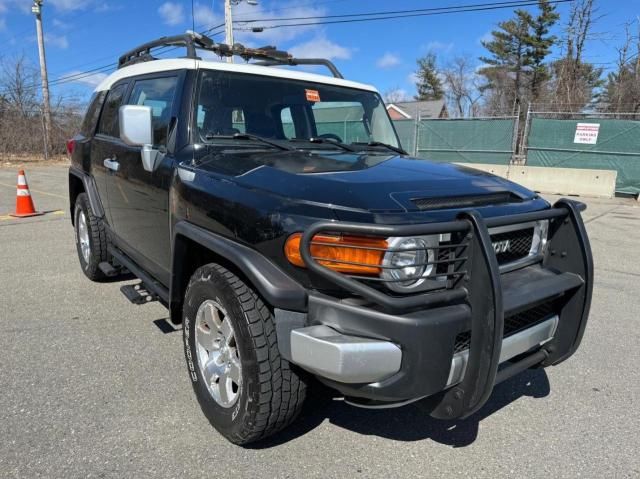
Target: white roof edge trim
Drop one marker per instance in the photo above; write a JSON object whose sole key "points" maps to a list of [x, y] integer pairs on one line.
{"points": [[158, 66]]}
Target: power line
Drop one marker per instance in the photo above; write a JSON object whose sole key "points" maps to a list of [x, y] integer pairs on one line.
{"points": [[75, 77], [393, 14], [453, 9], [298, 5], [331, 19], [356, 18]]}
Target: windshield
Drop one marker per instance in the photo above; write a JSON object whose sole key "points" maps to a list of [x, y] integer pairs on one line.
{"points": [[283, 109]]}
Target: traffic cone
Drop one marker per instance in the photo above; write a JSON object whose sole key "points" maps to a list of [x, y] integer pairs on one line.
{"points": [[24, 203]]}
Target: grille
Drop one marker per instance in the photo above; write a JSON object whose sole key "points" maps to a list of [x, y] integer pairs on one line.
{"points": [[512, 324], [519, 245], [464, 201]]}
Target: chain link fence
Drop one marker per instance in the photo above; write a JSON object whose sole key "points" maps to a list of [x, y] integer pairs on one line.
{"points": [[586, 140]]}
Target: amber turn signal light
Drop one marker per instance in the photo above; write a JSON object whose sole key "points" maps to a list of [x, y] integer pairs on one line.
{"points": [[344, 254]]}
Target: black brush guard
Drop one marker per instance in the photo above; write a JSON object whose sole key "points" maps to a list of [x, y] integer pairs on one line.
{"points": [[566, 271]]}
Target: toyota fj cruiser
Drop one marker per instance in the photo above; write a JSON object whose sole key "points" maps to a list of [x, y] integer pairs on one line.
{"points": [[276, 216]]}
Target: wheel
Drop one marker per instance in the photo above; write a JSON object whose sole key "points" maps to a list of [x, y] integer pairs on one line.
{"points": [[245, 388], [91, 239], [331, 136]]}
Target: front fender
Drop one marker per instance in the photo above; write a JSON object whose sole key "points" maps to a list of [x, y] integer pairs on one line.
{"points": [[277, 288]]}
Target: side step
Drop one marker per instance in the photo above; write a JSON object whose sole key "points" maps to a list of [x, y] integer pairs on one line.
{"points": [[138, 294], [152, 287]]}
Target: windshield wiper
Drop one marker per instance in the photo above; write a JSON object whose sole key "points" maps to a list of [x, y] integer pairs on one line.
{"points": [[249, 136], [325, 141], [384, 145]]}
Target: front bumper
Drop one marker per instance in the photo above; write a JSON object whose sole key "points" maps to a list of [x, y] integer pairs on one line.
{"points": [[396, 349]]}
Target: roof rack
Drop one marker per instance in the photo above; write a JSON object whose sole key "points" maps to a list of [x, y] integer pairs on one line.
{"points": [[193, 41]]}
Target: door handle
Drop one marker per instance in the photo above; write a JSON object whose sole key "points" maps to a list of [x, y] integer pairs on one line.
{"points": [[112, 164]]}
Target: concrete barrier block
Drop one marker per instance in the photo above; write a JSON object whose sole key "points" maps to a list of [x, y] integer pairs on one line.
{"points": [[566, 181], [561, 181]]}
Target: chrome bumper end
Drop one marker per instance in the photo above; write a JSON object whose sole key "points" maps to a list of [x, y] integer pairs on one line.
{"points": [[343, 358], [511, 347]]}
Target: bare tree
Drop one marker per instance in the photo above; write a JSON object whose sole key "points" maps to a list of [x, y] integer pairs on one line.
{"points": [[462, 88], [21, 120], [575, 80], [622, 89], [17, 84], [395, 95]]}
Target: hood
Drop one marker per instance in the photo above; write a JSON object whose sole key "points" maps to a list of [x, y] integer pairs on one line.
{"points": [[372, 182]]}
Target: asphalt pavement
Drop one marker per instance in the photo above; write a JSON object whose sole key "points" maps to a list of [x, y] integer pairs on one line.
{"points": [[93, 386]]}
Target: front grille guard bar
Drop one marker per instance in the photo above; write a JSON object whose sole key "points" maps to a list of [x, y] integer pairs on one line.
{"points": [[481, 289]]}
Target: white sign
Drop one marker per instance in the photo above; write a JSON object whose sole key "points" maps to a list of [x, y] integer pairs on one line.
{"points": [[587, 133]]}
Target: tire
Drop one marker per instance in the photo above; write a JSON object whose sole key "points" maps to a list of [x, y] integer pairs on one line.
{"points": [[269, 393], [89, 228]]}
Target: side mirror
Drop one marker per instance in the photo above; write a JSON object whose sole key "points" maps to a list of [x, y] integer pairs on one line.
{"points": [[136, 129]]}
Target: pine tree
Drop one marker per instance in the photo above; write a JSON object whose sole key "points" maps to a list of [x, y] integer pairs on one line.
{"points": [[509, 52], [539, 45], [516, 68], [428, 82]]}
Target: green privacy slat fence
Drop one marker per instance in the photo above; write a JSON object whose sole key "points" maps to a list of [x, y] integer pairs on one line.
{"points": [[470, 141], [551, 143], [348, 131], [406, 130], [481, 140]]}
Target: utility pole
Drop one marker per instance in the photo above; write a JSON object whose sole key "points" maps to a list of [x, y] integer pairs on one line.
{"points": [[46, 105], [228, 22], [228, 27]]}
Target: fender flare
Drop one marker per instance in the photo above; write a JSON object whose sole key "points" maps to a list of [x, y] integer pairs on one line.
{"points": [[274, 285], [90, 188]]}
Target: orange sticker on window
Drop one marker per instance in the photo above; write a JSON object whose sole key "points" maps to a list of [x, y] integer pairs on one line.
{"points": [[313, 95]]}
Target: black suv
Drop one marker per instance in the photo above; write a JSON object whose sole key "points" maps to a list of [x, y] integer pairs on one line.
{"points": [[274, 213]]}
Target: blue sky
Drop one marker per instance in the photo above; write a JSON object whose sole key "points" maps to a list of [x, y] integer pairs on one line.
{"points": [[85, 34]]}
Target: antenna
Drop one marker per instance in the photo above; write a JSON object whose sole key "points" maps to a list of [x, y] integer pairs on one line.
{"points": [[193, 17]]}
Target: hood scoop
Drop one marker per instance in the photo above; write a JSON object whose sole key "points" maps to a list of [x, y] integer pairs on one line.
{"points": [[468, 201]]}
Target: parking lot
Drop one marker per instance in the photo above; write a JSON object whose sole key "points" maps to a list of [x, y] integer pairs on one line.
{"points": [[93, 386]]}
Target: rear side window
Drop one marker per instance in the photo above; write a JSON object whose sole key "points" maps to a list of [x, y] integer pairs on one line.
{"points": [[90, 121], [157, 93], [109, 123]]}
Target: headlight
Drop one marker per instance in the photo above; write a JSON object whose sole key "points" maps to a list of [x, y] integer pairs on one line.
{"points": [[409, 263], [540, 236], [404, 264]]}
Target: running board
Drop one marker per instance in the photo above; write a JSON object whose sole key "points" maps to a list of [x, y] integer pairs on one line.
{"points": [[150, 284]]}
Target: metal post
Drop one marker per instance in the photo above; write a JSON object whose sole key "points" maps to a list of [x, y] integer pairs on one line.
{"points": [[525, 134], [228, 27], [46, 105], [416, 137], [514, 142]]}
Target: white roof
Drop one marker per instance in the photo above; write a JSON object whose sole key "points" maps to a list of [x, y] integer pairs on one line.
{"points": [[188, 64]]}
